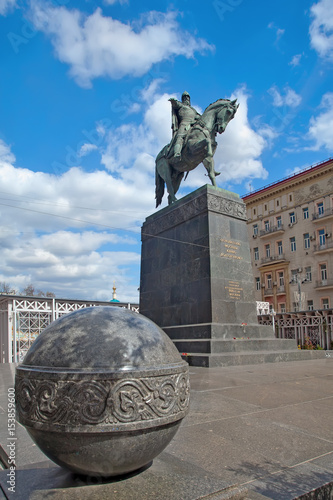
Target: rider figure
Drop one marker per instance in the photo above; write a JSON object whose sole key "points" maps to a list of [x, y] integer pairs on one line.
{"points": [[183, 116]]}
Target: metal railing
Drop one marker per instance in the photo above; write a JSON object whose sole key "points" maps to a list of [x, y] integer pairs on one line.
{"points": [[272, 229], [324, 213], [273, 258], [314, 328], [321, 283], [326, 246]]}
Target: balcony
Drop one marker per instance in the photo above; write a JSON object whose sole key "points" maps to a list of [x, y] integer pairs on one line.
{"points": [[281, 290], [324, 284], [321, 215], [273, 229], [273, 259], [326, 247], [268, 292]]}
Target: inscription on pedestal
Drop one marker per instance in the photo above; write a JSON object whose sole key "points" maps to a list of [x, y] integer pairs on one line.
{"points": [[230, 249], [234, 290]]}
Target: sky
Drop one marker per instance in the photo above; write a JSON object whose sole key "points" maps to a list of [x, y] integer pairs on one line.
{"points": [[84, 110]]}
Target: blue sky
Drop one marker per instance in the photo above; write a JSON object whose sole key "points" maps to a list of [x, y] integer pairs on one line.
{"points": [[84, 111]]}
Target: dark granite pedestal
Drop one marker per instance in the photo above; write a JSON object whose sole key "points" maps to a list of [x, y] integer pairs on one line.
{"points": [[197, 282]]}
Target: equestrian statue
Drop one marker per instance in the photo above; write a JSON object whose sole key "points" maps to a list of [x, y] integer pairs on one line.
{"points": [[193, 142]]}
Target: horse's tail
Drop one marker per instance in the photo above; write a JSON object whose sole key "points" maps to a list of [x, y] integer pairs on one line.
{"points": [[159, 181], [159, 187]]}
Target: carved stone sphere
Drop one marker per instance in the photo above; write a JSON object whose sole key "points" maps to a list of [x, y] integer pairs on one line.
{"points": [[102, 391]]}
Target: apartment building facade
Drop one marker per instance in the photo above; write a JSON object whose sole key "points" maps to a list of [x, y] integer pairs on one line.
{"points": [[290, 228]]}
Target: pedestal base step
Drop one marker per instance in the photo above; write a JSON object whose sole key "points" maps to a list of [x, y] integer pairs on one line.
{"points": [[250, 357], [236, 345]]}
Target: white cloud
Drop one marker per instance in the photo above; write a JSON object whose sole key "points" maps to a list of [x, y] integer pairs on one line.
{"points": [[290, 98], [5, 153], [86, 274], [278, 31], [321, 126], [6, 6], [240, 147], [112, 2], [43, 241], [321, 28], [296, 60], [293, 171], [96, 198], [86, 149], [98, 45]]}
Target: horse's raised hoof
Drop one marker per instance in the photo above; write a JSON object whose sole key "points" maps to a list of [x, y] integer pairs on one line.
{"points": [[171, 200], [217, 173]]}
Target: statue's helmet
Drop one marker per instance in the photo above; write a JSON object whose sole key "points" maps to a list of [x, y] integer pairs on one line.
{"points": [[186, 96]]}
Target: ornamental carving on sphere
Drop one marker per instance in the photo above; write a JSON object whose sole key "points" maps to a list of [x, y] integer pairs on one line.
{"points": [[126, 401]]}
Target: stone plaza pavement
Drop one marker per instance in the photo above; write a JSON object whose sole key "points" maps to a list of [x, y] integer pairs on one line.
{"points": [[264, 431]]}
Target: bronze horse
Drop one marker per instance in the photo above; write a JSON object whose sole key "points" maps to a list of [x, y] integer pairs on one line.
{"points": [[199, 146]]}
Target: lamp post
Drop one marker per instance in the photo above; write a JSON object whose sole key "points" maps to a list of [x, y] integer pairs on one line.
{"points": [[297, 279]]}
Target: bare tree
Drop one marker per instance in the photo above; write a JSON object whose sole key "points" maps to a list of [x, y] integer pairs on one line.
{"points": [[6, 288], [31, 291]]}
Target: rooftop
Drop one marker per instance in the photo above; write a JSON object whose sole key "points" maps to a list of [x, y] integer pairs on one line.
{"points": [[285, 180]]}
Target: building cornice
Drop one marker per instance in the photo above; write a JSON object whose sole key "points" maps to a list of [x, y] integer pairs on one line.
{"points": [[290, 182]]}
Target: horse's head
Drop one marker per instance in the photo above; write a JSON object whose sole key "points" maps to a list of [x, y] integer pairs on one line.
{"points": [[224, 114]]}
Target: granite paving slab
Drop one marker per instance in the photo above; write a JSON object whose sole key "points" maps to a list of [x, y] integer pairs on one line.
{"points": [[220, 407], [273, 395], [262, 428], [291, 483]]}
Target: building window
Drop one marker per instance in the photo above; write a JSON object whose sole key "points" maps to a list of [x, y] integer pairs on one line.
{"points": [[277, 203], [268, 250], [295, 306], [308, 273], [255, 229], [306, 237], [266, 223], [281, 278], [320, 208], [292, 218], [256, 253], [282, 308], [323, 272], [269, 281], [279, 248], [265, 208], [254, 211], [290, 197], [293, 244], [305, 213], [279, 221], [321, 235], [258, 284], [325, 304], [310, 305]]}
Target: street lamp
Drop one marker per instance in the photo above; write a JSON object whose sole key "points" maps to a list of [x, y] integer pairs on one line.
{"points": [[296, 279]]}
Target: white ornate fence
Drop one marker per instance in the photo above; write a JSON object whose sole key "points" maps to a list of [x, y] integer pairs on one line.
{"points": [[23, 318], [313, 326]]}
